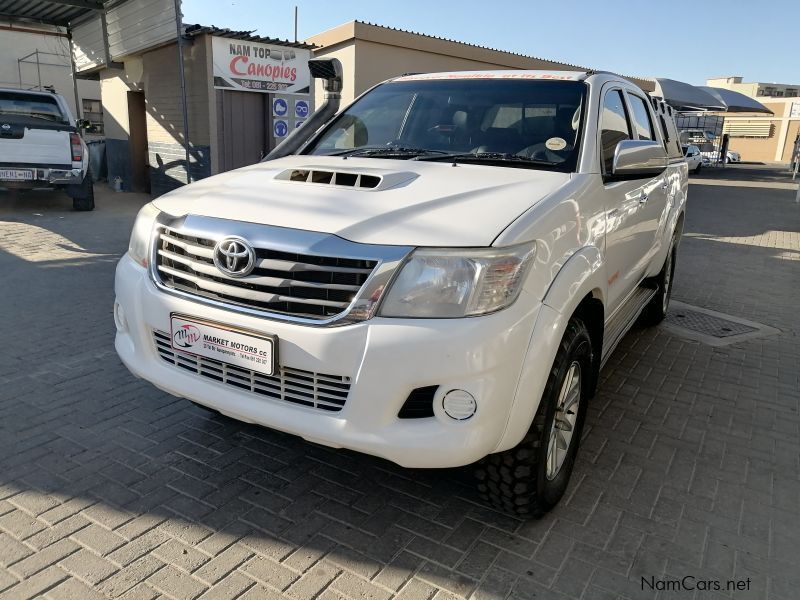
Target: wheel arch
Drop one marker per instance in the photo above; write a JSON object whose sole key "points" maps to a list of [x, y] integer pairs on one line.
{"points": [[578, 288]]}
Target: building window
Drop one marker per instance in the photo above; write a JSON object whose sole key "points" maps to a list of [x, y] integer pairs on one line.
{"points": [[93, 112]]}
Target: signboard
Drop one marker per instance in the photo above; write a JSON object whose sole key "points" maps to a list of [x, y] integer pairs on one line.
{"points": [[280, 108], [281, 128], [795, 111], [301, 109], [254, 67]]}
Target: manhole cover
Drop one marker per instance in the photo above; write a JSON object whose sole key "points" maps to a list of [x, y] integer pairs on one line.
{"points": [[712, 327], [707, 324]]}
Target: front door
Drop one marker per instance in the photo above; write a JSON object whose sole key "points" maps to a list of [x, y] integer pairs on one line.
{"points": [[630, 229]]}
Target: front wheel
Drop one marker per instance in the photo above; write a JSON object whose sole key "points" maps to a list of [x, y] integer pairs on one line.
{"points": [[531, 478]]}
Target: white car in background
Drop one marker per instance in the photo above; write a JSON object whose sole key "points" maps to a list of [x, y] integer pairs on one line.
{"points": [[713, 157], [693, 158], [41, 147]]}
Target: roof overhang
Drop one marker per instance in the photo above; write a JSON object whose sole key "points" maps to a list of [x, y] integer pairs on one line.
{"points": [[685, 97], [49, 12], [736, 102]]}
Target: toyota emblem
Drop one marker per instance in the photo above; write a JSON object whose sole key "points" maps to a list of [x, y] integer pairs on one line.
{"points": [[6, 126], [234, 256]]}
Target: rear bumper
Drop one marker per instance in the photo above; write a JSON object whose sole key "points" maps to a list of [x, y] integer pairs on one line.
{"points": [[44, 177]]}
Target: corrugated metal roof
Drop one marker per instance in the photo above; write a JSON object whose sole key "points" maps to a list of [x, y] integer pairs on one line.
{"points": [[195, 30], [47, 11]]}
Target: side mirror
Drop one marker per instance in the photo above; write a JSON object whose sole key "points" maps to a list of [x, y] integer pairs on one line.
{"points": [[638, 158]]}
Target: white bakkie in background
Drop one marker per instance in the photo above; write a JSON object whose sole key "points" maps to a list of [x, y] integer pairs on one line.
{"points": [[434, 275], [40, 146]]}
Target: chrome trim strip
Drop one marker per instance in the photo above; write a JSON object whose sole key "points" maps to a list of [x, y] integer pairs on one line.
{"points": [[294, 241]]}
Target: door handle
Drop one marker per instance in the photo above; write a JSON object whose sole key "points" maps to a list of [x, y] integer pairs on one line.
{"points": [[642, 198]]}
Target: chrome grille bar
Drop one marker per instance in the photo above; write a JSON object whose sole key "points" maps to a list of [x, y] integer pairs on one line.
{"points": [[306, 285]]}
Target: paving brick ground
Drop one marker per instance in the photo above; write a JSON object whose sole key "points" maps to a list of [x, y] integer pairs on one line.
{"points": [[110, 488]]}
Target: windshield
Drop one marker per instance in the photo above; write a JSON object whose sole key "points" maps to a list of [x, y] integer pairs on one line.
{"points": [[500, 120], [16, 104]]}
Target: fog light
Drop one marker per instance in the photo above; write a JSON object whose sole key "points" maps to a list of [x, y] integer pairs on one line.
{"points": [[119, 318], [459, 405]]}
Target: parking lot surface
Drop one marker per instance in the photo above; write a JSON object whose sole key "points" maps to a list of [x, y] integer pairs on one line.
{"points": [[689, 469]]}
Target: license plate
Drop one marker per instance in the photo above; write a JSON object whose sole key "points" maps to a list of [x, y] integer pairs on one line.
{"points": [[16, 174], [238, 347]]}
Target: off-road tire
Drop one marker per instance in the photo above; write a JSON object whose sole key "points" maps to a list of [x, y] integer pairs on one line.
{"points": [[656, 309], [515, 480], [697, 168], [83, 195]]}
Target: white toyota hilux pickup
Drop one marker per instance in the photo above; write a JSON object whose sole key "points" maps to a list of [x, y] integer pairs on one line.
{"points": [[40, 146], [434, 275]]}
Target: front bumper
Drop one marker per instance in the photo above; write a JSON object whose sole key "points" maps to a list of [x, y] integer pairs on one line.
{"points": [[385, 359]]}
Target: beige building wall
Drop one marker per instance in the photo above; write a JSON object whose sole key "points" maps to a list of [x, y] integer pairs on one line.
{"points": [[783, 131], [161, 83], [114, 87], [156, 74], [17, 41], [754, 89], [757, 149], [371, 54]]}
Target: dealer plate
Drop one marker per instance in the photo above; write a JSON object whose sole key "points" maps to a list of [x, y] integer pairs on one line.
{"points": [[16, 174], [238, 347]]}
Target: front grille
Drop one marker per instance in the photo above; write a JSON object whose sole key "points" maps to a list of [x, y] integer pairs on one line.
{"points": [[301, 285], [315, 390]]}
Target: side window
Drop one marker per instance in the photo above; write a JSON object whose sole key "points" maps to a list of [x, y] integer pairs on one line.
{"points": [[615, 127], [641, 118]]}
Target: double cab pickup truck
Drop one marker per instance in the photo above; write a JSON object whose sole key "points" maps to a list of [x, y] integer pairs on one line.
{"points": [[41, 147], [434, 275]]}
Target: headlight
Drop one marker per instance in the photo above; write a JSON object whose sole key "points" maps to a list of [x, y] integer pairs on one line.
{"points": [[450, 283], [139, 246]]}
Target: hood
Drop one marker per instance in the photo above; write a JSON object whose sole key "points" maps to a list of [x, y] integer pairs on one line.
{"points": [[370, 200]]}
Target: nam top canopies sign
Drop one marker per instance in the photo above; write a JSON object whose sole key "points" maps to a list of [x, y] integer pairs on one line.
{"points": [[254, 67]]}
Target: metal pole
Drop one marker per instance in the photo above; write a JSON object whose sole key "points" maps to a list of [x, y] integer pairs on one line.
{"points": [[179, 26], [38, 69], [78, 107], [295, 24]]}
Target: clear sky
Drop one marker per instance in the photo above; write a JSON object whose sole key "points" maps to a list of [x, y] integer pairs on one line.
{"points": [[685, 40]]}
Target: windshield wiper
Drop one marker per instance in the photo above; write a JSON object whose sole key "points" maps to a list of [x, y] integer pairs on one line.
{"points": [[387, 151], [488, 157]]}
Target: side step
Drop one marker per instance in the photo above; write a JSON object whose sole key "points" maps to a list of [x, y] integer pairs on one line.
{"points": [[624, 319]]}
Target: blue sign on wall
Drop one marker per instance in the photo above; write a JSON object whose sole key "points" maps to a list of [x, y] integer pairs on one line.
{"points": [[280, 107], [298, 123], [301, 109], [281, 128]]}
